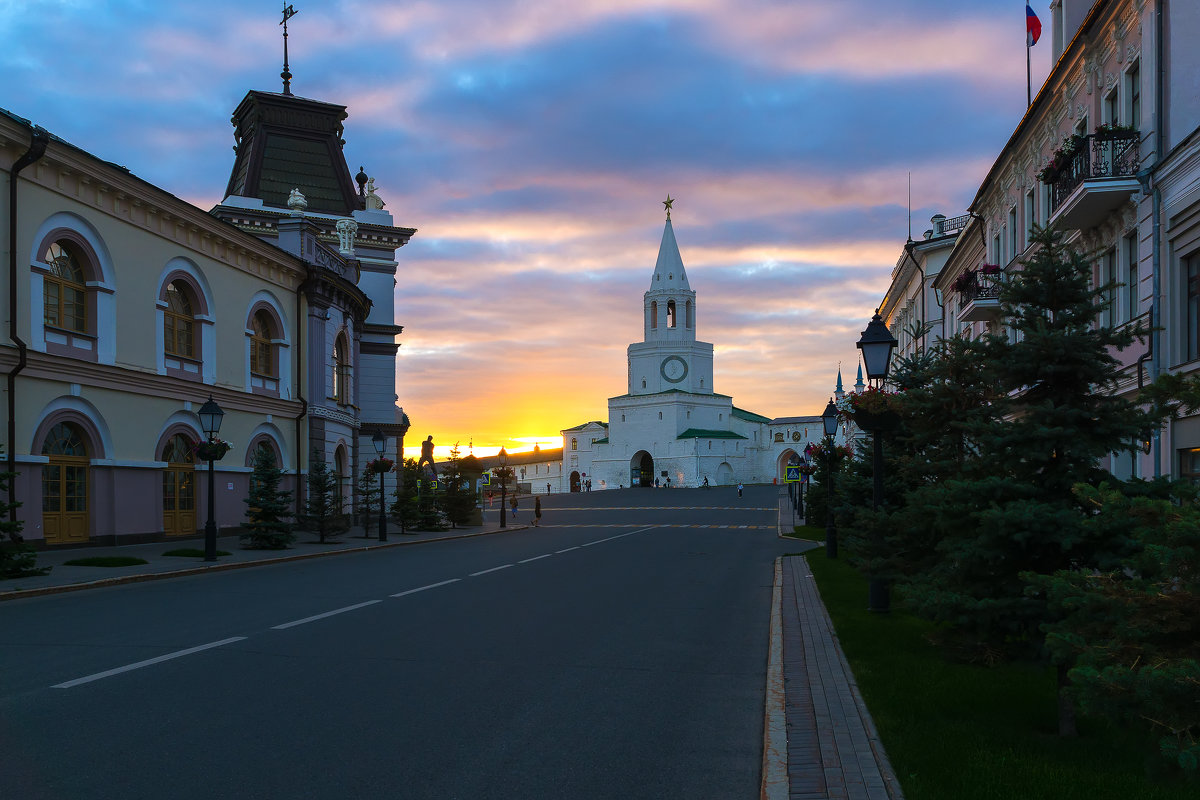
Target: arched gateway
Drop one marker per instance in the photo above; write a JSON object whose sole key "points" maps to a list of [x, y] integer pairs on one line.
{"points": [[641, 469]]}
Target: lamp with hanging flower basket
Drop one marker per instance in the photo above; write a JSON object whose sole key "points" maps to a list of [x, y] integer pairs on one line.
{"points": [[380, 465], [872, 409], [212, 450]]}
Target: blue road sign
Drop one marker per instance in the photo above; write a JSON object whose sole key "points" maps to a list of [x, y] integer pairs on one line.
{"points": [[487, 479], [791, 474]]}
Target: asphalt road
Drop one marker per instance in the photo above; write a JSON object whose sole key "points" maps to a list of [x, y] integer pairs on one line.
{"points": [[617, 652]]}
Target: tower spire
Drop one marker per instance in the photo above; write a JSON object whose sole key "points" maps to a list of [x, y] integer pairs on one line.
{"points": [[288, 13], [668, 203]]}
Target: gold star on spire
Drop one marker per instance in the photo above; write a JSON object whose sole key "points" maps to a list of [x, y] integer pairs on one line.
{"points": [[667, 203]]}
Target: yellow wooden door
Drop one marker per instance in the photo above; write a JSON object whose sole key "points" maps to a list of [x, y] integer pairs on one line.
{"points": [[65, 485], [179, 494], [64, 500]]}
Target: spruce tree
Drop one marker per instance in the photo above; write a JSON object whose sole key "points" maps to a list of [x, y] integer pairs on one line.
{"points": [[407, 505], [1131, 635], [268, 508], [17, 558], [366, 490], [1057, 415], [457, 500], [323, 510]]}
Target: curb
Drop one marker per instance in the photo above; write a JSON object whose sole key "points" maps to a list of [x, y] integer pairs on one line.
{"points": [[776, 783], [178, 573]]}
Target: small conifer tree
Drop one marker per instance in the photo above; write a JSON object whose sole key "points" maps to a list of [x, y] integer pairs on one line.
{"points": [[268, 508], [17, 558], [366, 490], [323, 511], [458, 498]]}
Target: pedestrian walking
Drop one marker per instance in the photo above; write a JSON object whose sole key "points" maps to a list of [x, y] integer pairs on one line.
{"points": [[547, 488], [739, 489], [537, 512], [514, 506]]}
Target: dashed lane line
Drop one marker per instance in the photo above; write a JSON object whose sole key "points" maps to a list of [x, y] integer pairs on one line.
{"points": [[486, 571], [423, 588], [316, 617], [200, 648], [158, 660]]}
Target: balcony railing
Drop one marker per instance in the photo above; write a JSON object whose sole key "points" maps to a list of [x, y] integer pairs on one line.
{"points": [[1102, 155], [978, 297]]}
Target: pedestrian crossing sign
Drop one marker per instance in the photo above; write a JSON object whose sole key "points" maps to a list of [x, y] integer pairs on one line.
{"points": [[791, 474], [487, 479]]}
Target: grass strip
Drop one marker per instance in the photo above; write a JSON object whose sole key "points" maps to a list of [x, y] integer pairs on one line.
{"points": [[106, 561], [192, 552], [954, 730]]}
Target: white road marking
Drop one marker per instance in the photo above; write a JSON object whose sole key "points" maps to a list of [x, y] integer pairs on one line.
{"points": [[486, 571], [535, 558], [147, 662], [423, 588], [569, 549], [315, 617], [620, 536]]}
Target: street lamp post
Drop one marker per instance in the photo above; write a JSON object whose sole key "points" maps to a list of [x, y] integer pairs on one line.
{"points": [[877, 344], [804, 466], [380, 442], [502, 461], [829, 420], [210, 422]]}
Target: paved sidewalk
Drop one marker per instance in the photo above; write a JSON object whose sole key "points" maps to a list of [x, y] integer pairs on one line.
{"points": [[65, 578], [833, 750]]}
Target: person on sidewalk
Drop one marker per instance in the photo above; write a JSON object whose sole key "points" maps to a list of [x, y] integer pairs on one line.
{"points": [[514, 506], [537, 512]]}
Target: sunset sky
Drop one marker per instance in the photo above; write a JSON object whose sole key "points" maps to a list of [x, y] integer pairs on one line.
{"points": [[531, 143]]}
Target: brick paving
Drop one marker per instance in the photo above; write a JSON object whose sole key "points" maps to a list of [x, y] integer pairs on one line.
{"points": [[833, 750]]}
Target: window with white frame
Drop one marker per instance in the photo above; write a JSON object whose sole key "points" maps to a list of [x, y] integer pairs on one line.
{"points": [[1191, 274], [1030, 216], [1012, 233], [1133, 93]]}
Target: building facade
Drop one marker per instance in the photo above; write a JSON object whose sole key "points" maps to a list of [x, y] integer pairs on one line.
{"points": [[1109, 153], [126, 308]]}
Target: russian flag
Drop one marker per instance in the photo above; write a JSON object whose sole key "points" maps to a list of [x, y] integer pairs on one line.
{"points": [[1033, 27]]}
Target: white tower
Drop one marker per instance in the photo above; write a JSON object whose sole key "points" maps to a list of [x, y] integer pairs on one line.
{"points": [[670, 357]]}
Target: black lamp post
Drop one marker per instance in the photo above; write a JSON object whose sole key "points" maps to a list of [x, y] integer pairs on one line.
{"points": [[210, 422], [805, 463], [877, 344], [380, 442], [829, 420], [502, 461]]}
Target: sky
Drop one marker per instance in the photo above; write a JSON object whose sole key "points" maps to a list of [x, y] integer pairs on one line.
{"points": [[532, 142]]}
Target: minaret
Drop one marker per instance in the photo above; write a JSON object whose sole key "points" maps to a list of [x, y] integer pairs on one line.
{"points": [[669, 357], [859, 386], [839, 392]]}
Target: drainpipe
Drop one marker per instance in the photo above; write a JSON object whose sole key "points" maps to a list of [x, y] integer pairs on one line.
{"points": [[1155, 263], [300, 350], [37, 148]]}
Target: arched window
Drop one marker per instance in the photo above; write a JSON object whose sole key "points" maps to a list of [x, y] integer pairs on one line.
{"points": [[689, 319], [341, 371], [671, 315], [653, 314], [262, 355], [64, 290], [179, 322]]}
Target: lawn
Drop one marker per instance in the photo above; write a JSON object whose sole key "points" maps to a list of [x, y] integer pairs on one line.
{"points": [[106, 561], [956, 730]]}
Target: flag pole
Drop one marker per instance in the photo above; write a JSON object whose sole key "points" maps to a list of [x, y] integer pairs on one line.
{"points": [[1028, 75]]}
